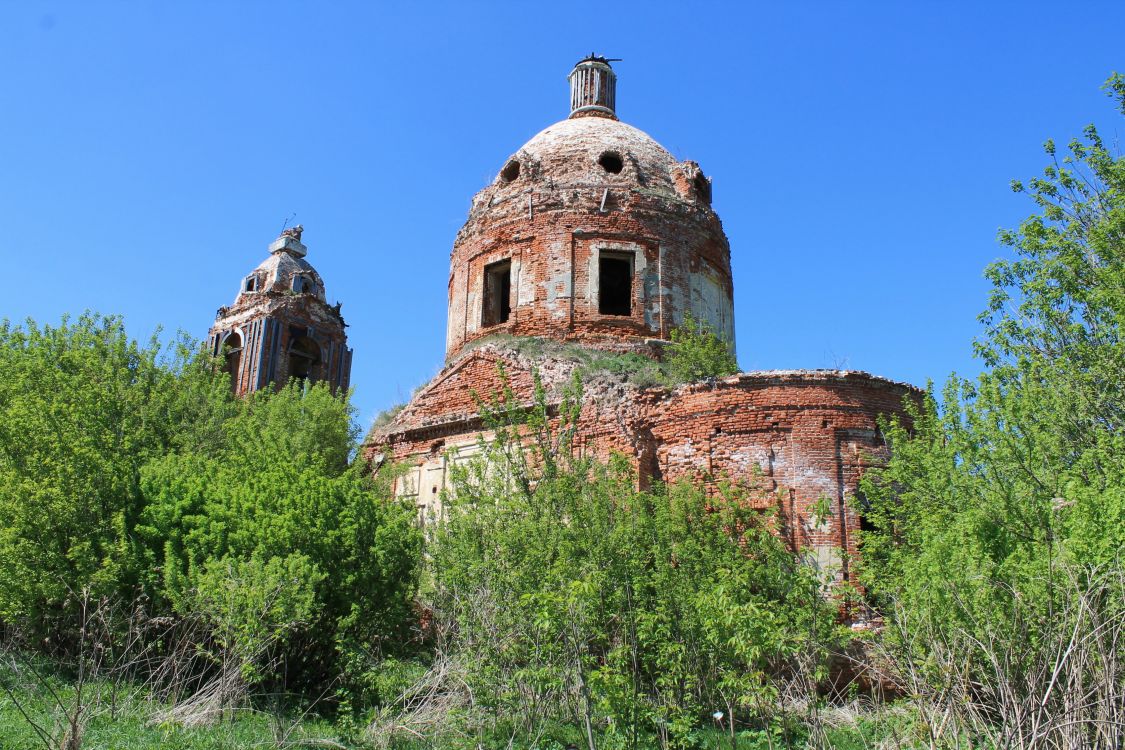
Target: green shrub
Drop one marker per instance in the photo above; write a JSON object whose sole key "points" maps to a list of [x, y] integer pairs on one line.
{"points": [[697, 352], [82, 409], [570, 595], [998, 527], [280, 485]]}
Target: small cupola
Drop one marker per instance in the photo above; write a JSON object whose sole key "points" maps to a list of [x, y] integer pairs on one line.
{"points": [[593, 88], [290, 242]]}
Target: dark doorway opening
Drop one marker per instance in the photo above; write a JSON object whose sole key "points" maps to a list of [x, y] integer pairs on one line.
{"points": [[497, 293], [615, 284]]}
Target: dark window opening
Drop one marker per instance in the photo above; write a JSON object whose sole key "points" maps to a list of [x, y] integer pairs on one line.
{"points": [[304, 356], [300, 284], [615, 284], [611, 162], [866, 525], [863, 509], [232, 358], [251, 284], [497, 293], [703, 189], [510, 171]]}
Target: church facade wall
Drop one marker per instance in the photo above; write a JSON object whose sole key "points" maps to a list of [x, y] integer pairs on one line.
{"points": [[795, 443], [798, 440]]}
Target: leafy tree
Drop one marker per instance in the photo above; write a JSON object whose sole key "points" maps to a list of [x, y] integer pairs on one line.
{"points": [[253, 604], [82, 408], [1003, 491], [129, 472], [697, 352], [278, 486]]}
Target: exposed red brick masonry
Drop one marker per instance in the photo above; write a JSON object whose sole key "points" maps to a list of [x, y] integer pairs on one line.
{"points": [[797, 437]]}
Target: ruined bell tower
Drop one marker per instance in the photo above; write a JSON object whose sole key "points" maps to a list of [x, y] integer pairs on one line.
{"points": [[280, 326]]}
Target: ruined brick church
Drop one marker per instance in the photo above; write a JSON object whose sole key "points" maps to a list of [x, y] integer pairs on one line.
{"points": [[591, 237]]}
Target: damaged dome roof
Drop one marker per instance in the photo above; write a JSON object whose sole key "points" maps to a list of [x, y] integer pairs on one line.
{"points": [[592, 150]]}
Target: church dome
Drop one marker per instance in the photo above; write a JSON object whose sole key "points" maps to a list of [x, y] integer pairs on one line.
{"points": [[592, 151], [592, 233], [282, 272]]}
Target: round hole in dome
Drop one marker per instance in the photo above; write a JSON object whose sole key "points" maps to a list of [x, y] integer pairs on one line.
{"points": [[611, 162], [510, 171], [703, 188]]}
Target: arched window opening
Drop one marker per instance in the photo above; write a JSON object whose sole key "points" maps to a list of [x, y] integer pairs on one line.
{"points": [[510, 171], [304, 356], [232, 358]]}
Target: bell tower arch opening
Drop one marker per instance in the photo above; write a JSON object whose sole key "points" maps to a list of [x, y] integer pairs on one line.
{"points": [[304, 356], [232, 358]]}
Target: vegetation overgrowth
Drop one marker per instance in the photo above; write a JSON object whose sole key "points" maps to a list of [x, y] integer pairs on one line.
{"points": [[999, 523], [181, 568], [694, 352]]}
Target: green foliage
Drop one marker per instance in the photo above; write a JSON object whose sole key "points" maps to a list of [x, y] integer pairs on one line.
{"points": [[82, 408], [129, 726], [1005, 489], [697, 352], [252, 604], [119, 717], [592, 364], [385, 417], [128, 472], [1005, 475], [278, 487], [576, 596]]}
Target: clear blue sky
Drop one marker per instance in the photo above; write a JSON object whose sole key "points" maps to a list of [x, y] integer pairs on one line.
{"points": [[861, 155]]}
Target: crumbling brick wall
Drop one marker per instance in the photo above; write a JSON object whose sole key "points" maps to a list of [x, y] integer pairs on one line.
{"points": [[797, 440], [808, 434]]}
